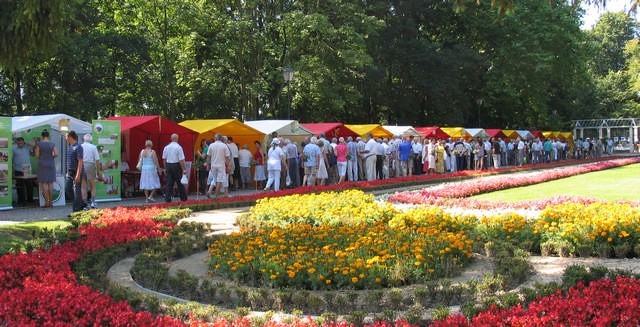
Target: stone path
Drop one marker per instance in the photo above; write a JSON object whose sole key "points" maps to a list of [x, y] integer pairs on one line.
{"points": [[547, 269]]}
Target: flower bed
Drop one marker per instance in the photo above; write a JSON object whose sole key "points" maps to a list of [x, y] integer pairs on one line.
{"points": [[441, 196], [603, 303], [355, 255], [592, 228], [39, 288], [375, 247], [346, 207]]}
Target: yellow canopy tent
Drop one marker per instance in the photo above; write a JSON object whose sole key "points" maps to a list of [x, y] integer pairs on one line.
{"points": [[242, 134], [455, 132], [375, 129], [510, 133], [550, 134], [567, 136]]}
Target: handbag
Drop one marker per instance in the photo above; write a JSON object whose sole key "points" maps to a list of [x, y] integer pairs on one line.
{"points": [[184, 180], [139, 165]]}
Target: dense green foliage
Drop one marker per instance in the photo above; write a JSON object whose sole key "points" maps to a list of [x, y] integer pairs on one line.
{"points": [[510, 64]]}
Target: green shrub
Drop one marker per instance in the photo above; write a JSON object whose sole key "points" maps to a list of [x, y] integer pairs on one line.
{"points": [[440, 312]]}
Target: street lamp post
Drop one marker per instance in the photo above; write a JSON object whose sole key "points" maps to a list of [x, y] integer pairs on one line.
{"points": [[287, 73]]}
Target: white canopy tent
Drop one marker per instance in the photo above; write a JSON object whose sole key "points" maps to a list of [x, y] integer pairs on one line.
{"points": [[23, 123], [524, 134], [402, 130], [477, 132], [30, 127], [289, 129]]}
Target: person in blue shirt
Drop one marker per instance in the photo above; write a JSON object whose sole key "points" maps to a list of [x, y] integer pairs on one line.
{"points": [[404, 155], [75, 170]]}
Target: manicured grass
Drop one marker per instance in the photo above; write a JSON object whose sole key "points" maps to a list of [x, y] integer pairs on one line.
{"points": [[616, 184], [13, 235]]}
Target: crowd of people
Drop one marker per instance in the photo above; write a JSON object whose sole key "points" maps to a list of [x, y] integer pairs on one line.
{"points": [[318, 160], [221, 166]]}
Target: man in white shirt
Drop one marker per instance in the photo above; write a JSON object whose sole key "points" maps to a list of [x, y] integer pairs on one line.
{"points": [[370, 157], [173, 157], [90, 162], [218, 157], [244, 161], [520, 149]]}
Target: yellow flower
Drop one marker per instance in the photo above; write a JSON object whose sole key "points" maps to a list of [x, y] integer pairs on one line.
{"points": [[328, 281], [354, 279]]}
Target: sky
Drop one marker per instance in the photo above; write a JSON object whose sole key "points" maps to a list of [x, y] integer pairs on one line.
{"points": [[593, 13]]}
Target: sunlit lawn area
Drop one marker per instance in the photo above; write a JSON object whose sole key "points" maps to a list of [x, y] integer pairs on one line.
{"points": [[612, 185], [13, 235]]}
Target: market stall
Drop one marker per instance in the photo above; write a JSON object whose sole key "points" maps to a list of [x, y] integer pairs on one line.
{"points": [[136, 130], [207, 128], [432, 132], [31, 127], [330, 130], [495, 132], [289, 129], [402, 130], [375, 129], [455, 132]]}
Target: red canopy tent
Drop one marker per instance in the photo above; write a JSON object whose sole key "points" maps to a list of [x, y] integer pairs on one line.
{"points": [[537, 134], [330, 130], [432, 132], [495, 132], [136, 130]]}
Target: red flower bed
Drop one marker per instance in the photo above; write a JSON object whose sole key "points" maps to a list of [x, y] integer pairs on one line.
{"points": [[441, 196], [603, 303], [39, 288], [245, 200]]}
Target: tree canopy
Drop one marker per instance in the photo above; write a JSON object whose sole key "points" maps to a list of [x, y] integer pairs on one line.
{"points": [[512, 64]]}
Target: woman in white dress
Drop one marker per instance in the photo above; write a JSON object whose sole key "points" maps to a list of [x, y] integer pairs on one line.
{"points": [[149, 179], [275, 158], [322, 167]]}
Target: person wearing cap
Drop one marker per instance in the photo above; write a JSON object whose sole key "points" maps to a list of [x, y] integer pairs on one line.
{"points": [[275, 160]]}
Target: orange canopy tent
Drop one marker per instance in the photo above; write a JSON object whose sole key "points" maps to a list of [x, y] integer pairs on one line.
{"points": [[375, 129], [241, 133]]}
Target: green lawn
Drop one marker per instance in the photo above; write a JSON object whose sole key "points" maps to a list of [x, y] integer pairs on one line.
{"points": [[621, 183], [11, 236]]}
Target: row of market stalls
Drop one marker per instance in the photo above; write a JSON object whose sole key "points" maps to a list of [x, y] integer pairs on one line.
{"points": [[120, 139], [136, 130]]}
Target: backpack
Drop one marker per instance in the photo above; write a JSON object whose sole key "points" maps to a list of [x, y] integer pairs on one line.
{"points": [[331, 156]]}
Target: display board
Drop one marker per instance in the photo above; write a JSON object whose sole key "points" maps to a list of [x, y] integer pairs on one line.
{"points": [[108, 138], [6, 157]]}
